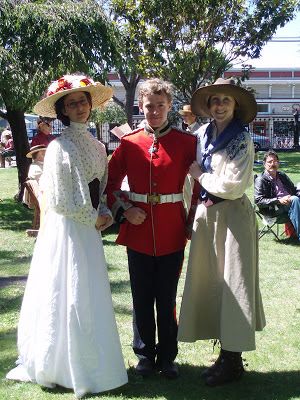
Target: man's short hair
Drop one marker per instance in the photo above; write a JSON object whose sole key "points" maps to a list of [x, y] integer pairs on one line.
{"points": [[155, 86], [270, 153]]}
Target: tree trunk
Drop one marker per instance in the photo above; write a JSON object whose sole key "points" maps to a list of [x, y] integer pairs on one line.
{"points": [[98, 134], [130, 94], [130, 86], [17, 123]]}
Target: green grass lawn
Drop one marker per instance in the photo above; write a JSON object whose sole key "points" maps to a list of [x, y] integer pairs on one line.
{"points": [[272, 370]]}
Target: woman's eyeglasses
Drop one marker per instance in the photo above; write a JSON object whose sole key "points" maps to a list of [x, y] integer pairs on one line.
{"points": [[75, 104]]}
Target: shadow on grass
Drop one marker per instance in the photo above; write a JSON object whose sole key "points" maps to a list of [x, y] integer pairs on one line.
{"points": [[279, 385], [14, 216], [190, 386], [13, 257], [284, 241], [10, 303], [123, 310], [120, 286], [11, 280]]}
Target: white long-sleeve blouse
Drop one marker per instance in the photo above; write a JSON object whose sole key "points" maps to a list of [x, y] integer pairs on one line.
{"points": [[72, 161], [232, 167]]}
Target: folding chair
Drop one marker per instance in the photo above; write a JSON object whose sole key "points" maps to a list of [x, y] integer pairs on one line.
{"points": [[272, 225], [29, 186]]}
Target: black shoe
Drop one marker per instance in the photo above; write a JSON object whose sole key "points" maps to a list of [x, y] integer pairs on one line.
{"points": [[169, 369], [145, 367], [210, 370], [228, 369]]}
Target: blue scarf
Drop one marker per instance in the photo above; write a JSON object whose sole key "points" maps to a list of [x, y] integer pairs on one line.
{"points": [[210, 147]]}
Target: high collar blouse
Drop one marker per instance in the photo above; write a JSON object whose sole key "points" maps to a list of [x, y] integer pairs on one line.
{"points": [[72, 161]]}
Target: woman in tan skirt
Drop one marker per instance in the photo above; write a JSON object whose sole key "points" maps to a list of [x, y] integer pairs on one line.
{"points": [[221, 297]]}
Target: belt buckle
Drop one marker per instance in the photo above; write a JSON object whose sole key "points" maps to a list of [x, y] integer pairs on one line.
{"points": [[153, 198]]}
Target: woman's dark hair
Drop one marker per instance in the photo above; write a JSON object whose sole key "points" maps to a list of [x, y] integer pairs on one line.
{"points": [[59, 106]]}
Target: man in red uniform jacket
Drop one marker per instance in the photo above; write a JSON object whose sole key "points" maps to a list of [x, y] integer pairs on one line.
{"points": [[156, 160]]}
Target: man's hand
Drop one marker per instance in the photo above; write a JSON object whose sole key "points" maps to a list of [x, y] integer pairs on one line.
{"points": [[135, 215], [285, 200], [195, 170], [103, 222]]}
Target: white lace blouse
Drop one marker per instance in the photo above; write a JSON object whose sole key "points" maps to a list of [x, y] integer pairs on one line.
{"points": [[72, 161]]}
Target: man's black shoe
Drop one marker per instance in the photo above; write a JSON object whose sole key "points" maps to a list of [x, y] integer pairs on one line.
{"points": [[145, 367], [169, 369]]}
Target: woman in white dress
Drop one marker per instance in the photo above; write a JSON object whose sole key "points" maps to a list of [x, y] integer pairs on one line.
{"points": [[221, 297], [67, 334]]}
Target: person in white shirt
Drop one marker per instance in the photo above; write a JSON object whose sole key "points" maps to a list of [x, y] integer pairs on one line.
{"points": [[67, 333]]}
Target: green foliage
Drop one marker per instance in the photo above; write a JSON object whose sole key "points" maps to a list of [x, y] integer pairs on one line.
{"points": [[193, 42], [40, 41], [112, 113]]}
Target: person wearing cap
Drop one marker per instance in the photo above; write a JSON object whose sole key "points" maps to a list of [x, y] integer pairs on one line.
{"points": [[156, 159], [67, 333], [43, 135], [221, 298], [189, 118]]}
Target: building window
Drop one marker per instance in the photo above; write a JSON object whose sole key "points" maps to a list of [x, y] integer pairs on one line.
{"points": [[262, 108]]}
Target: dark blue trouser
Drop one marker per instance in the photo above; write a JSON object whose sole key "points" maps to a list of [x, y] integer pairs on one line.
{"points": [[294, 214], [154, 281]]}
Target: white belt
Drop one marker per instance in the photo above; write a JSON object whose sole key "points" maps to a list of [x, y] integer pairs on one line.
{"points": [[156, 198]]}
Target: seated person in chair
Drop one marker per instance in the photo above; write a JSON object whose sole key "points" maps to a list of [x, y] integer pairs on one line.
{"points": [[275, 193], [8, 149]]}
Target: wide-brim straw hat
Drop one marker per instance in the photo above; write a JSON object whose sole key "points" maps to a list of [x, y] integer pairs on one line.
{"points": [[246, 104], [68, 84], [186, 109], [35, 149]]}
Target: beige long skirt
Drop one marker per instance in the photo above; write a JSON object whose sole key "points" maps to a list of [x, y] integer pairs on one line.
{"points": [[221, 298]]}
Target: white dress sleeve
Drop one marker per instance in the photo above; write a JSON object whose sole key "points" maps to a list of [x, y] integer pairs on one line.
{"points": [[65, 184], [232, 169]]}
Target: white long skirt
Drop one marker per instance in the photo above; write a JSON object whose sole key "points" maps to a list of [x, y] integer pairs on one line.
{"points": [[67, 333]]}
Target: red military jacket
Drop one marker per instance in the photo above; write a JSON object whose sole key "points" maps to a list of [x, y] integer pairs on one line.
{"points": [[164, 229]]}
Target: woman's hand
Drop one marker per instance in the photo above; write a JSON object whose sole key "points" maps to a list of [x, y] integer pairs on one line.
{"points": [[103, 222], [195, 170], [135, 215]]}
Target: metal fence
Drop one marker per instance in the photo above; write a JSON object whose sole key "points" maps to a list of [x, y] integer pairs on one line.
{"points": [[281, 137]]}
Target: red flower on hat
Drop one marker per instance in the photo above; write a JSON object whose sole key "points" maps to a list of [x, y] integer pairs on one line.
{"points": [[61, 84], [68, 82]]}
